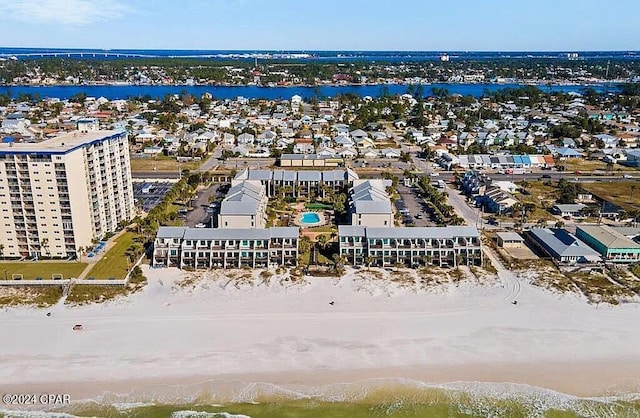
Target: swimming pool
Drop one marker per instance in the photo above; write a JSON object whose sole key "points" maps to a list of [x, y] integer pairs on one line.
{"points": [[309, 218]]}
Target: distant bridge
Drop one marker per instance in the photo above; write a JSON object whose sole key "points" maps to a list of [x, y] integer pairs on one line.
{"points": [[77, 55]]}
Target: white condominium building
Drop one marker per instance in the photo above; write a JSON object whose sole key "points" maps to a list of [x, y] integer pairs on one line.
{"points": [[57, 195]]}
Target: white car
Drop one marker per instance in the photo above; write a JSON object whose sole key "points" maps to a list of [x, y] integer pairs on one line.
{"points": [[435, 175]]}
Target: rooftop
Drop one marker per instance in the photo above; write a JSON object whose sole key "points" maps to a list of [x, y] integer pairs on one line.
{"points": [[230, 233], [563, 243], [441, 232], [608, 236], [60, 144], [510, 236]]}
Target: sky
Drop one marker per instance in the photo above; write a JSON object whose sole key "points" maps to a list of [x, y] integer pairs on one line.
{"points": [[407, 25]]}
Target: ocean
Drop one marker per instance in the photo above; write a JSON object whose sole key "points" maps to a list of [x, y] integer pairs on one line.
{"points": [[383, 398], [113, 92], [387, 56]]}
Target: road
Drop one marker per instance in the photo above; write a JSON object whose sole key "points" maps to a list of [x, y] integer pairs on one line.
{"points": [[463, 209], [420, 164]]}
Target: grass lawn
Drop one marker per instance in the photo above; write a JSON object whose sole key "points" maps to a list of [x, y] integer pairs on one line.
{"points": [[33, 296], [162, 164], [592, 165], [33, 270], [324, 228], [114, 263], [82, 294], [304, 257], [618, 193]]}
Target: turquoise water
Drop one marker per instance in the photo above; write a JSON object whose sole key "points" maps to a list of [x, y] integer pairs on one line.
{"points": [[310, 218]]}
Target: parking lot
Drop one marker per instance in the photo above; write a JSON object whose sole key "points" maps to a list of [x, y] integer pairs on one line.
{"points": [[149, 195], [412, 207], [202, 213]]}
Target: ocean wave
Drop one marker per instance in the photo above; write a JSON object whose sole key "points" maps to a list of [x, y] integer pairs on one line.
{"points": [[214, 398]]}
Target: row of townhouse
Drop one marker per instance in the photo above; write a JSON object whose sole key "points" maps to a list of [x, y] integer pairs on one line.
{"points": [[495, 197], [208, 248], [496, 161], [441, 246], [299, 183]]}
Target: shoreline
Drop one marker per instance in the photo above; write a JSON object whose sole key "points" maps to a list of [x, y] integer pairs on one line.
{"points": [[586, 380]]}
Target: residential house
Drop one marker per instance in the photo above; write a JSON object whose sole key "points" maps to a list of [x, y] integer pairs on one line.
{"points": [[246, 139], [570, 210]]}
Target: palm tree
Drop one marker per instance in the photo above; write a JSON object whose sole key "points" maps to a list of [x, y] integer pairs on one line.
{"points": [[369, 260], [323, 241], [458, 260], [338, 260], [44, 243]]}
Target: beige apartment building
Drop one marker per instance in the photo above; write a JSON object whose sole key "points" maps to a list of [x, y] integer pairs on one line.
{"points": [[245, 206], [370, 204], [60, 194]]}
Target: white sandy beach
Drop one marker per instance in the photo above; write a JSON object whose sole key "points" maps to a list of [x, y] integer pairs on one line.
{"points": [[289, 334]]}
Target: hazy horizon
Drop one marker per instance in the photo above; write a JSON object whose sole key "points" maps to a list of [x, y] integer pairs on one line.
{"points": [[332, 25]]}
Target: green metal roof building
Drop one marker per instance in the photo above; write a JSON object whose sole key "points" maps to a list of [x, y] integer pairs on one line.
{"points": [[613, 246]]}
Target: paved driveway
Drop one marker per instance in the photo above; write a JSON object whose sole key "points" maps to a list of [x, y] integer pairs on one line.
{"points": [[201, 212]]}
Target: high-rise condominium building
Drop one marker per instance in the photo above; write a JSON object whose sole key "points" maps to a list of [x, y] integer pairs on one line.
{"points": [[60, 194]]}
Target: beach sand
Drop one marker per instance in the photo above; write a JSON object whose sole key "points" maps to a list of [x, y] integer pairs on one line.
{"points": [[173, 340]]}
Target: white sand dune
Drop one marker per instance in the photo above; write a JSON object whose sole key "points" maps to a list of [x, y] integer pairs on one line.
{"points": [[291, 334]]}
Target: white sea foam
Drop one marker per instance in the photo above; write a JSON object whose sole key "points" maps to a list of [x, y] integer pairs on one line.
{"points": [[34, 414], [475, 398], [127, 406], [197, 414]]}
